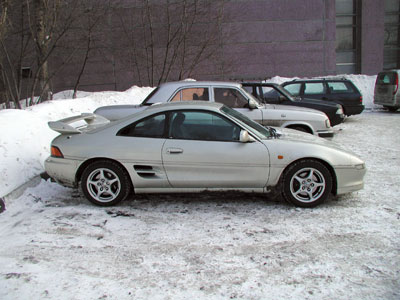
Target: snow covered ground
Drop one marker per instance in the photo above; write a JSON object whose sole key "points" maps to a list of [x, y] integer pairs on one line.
{"points": [[210, 246]]}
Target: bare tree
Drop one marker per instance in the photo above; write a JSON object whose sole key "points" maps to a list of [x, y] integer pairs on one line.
{"points": [[89, 26], [169, 39], [49, 21]]}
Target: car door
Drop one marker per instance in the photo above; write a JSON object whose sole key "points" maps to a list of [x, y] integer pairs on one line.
{"points": [[233, 98], [138, 146], [314, 90], [204, 151]]}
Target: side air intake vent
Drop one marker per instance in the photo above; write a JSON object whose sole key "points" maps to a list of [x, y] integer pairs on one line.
{"points": [[144, 171]]}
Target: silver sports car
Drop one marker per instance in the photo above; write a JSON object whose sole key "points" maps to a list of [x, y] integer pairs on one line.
{"points": [[194, 147]]}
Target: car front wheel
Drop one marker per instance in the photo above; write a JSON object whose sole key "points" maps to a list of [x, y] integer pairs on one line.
{"points": [[307, 183], [105, 183]]}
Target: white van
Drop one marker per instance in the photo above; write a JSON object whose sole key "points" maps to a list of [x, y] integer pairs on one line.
{"points": [[386, 91]]}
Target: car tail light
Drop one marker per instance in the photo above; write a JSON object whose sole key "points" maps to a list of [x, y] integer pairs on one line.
{"points": [[55, 152], [397, 83], [361, 99]]}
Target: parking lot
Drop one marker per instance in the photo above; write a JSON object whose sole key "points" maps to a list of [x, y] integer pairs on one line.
{"points": [[57, 245]]}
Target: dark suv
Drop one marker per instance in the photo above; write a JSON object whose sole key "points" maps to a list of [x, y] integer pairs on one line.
{"points": [[341, 91], [272, 93]]}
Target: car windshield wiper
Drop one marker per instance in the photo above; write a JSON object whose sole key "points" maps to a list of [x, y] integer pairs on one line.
{"points": [[273, 132]]}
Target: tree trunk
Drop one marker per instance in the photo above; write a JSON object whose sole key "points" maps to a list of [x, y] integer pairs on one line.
{"points": [[42, 42]]}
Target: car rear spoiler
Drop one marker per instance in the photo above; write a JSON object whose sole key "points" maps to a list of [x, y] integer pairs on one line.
{"points": [[63, 126]]}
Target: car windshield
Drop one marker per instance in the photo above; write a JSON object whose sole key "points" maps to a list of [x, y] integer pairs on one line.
{"points": [[261, 131], [146, 100], [284, 92], [243, 90]]}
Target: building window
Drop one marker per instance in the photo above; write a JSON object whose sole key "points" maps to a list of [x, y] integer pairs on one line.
{"points": [[26, 72], [347, 36], [391, 55]]}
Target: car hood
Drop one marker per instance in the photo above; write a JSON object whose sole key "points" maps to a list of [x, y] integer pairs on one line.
{"points": [[287, 134], [308, 145]]}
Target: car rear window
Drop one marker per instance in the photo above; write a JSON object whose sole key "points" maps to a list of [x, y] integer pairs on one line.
{"points": [[386, 78]]}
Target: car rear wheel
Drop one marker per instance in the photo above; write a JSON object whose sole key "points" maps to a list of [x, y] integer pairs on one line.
{"points": [[306, 183], [105, 183]]}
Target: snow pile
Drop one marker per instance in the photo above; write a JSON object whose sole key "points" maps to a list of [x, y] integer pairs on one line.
{"points": [[25, 138]]}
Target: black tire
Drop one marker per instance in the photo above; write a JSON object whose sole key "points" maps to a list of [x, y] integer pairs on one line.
{"points": [[391, 108], [306, 183], [105, 183], [2, 205]]}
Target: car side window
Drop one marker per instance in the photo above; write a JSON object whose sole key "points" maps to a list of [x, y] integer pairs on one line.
{"points": [[200, 125], [191, 94], [339, 87], [313, 88], [152, 127], [293, 88], [230, 97]]}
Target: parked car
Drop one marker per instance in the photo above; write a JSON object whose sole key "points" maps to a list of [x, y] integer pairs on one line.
{"points": [[386, 91], [272, 93], [341, 91], [193, 147], [234, 96]]}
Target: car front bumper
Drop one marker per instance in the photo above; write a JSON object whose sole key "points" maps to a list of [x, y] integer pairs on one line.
{"points": [[325, 133], [349, 179]]}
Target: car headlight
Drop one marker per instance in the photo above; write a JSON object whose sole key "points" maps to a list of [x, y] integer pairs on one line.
{"points": [[360, 166]]}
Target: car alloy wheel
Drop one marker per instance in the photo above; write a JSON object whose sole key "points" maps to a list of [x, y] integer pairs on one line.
{"points": [[307, 183], [105, 183]]}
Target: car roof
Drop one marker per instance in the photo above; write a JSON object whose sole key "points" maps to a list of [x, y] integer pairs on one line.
{"points": [[252, 83], [318, 79], [186, 83], [184, 105]]}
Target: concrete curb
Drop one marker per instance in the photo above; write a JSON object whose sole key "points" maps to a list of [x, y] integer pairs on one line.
{"points": [[21, 189]]}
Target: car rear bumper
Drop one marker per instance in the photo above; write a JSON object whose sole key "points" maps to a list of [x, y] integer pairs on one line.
{"points": [[354, 110], [62, 170]]}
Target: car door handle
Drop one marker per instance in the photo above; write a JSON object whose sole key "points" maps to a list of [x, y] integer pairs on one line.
{"points": [[174, 150]]}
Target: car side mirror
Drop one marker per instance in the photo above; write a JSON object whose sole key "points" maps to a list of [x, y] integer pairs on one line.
{"points": [[245, 137], [252, 104]]}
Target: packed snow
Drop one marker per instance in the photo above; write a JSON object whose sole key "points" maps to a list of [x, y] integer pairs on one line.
{"points": [[57, 245]]}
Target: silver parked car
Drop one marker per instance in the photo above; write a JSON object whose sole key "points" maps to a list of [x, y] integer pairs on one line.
{"points": [[234, 96], [194, 147]]}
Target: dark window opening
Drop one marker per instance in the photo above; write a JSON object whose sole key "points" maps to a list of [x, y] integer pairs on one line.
{"points": [[26, 72]]}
